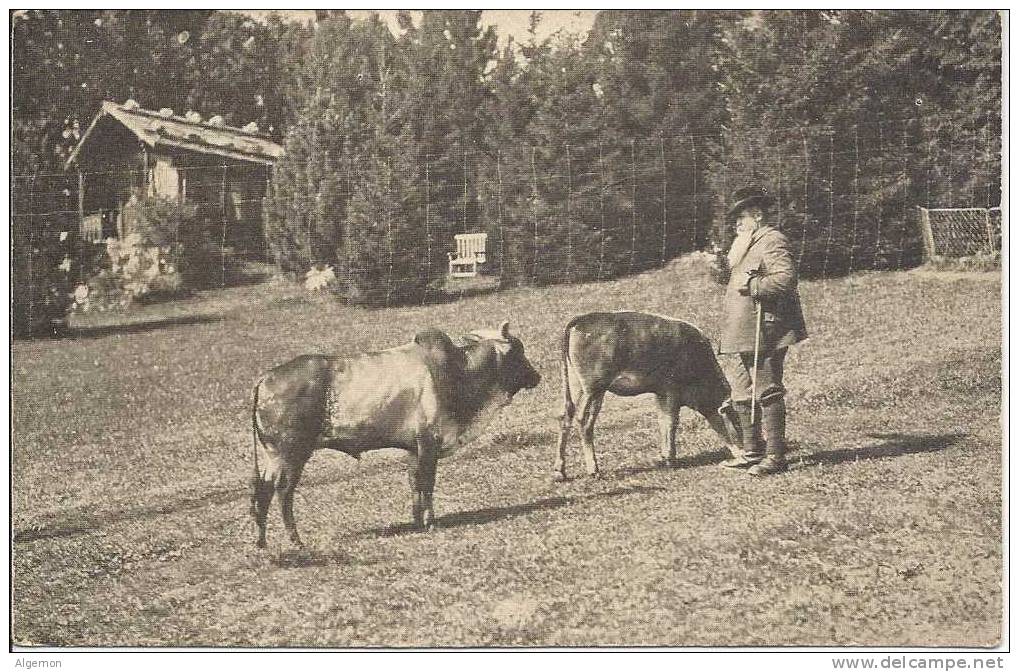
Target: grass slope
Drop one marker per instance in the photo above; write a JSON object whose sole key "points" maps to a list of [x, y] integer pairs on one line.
{"points": [[131, 455]]}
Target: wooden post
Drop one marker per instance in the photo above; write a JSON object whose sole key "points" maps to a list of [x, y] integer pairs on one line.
{"points": [[928, 234], [145, 171], [80, 238], [990, 230], [222, 241], [266, 251]]}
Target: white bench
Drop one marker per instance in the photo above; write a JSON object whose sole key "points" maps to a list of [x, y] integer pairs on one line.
{"points": [[470, 253]]}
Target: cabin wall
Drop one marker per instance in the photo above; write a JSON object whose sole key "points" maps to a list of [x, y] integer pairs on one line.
{"points": [[119, 170], [164, 178], [113, 171]]}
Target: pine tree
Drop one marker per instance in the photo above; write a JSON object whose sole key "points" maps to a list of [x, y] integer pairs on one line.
{"points": [[880, 112]]}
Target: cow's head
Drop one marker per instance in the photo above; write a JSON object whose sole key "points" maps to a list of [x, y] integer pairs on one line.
{"points": [[512, 370], [713, 400]]}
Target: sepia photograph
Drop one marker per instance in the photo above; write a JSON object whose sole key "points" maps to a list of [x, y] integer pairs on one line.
{"points": [[554, 329]]}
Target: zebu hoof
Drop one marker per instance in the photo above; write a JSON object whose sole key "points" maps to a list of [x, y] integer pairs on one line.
{"points": [[260, 544], [559, 477], [593, 475], [667, 463]]}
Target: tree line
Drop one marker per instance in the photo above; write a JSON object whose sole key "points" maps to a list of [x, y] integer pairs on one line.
{"points": [[585, 156]]}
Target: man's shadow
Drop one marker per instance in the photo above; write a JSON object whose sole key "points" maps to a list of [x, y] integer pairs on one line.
{"points": [[894, 444]]}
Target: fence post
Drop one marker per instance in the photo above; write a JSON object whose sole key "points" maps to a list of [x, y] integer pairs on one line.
{"points": [[633, 204], [990, 230], [428, 230], [928, 234], [389, 230], [665, 197], [266, 201], [222, 240], [601, 208], [502, 231], [534, 209], [569, 216], [31, 257], [80, 261], [463, 228]]}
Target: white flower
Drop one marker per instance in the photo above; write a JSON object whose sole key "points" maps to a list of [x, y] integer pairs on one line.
{"points": [[65, 265], [598, 91], [316, 279], [81, 294], [63, 236]]}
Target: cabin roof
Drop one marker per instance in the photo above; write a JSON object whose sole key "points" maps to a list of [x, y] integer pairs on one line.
{"points": [[164, 130]]}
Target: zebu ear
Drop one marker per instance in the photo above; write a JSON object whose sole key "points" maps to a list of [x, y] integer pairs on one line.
{"points": [[504, 330]]}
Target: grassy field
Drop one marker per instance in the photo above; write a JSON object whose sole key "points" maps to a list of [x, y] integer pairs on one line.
{"points": [[132, 451]]}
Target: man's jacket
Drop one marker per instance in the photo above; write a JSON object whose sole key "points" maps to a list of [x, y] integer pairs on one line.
{"points": [[772, 283]]}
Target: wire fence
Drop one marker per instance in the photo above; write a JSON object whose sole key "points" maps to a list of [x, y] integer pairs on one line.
{"points": [[568, 212]]}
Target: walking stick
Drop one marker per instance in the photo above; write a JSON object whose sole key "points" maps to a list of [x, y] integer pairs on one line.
{"points": [[757, 354]]}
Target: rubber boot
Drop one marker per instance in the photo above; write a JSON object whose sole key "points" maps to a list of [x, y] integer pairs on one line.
{"points": [[749, 437], [773, 423]]}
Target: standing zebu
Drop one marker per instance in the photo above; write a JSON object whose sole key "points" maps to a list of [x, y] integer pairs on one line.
{"points": [[631, 353], [428, 397]]}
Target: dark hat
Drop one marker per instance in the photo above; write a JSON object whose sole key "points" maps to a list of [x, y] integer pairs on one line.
{"points": [[748, 197]]}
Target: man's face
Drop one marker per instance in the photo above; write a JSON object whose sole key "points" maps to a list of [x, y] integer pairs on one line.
{"points": [[749, 219]]}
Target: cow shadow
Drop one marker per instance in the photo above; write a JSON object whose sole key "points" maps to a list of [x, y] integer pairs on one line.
{"points": [[140, 327], [86, 522], [299, 558], [704, 459], [497, 513], [886, 445]]}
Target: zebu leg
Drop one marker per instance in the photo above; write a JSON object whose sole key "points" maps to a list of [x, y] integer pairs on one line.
{"points": [[566, 425], [421, 470], [286, 484], [590, 408], [263, 487], [668, 420]]}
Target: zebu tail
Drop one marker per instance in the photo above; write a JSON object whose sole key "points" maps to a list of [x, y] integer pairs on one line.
{"points": [[256, 434], [569, 409]]}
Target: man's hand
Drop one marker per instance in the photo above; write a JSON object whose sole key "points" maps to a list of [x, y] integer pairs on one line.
{"points": [[745, 289]]}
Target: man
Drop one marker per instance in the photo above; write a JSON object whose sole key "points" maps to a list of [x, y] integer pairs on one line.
{"points": [[762, 285]]}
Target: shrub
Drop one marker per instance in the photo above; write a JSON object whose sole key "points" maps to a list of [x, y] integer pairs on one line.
{"points": [[190, 239], [980, 262], [135, 272], [42, 277]]}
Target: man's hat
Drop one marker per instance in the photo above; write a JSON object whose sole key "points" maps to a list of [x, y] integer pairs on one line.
{"points": [[748, 197]]}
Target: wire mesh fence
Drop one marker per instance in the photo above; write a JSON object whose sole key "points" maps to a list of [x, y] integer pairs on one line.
{"points": [[385, 224], [960, 232]]}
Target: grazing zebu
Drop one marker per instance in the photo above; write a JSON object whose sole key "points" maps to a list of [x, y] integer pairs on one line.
{"points": [[631, 353]]}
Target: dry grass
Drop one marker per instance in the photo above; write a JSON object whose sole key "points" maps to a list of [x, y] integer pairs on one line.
{"points": [[132, 452]]}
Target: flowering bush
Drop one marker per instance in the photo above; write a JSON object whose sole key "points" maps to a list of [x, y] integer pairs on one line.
{"points": [[42, 273], [188, 238], [319, 278], [135, 271], [979, 262]]}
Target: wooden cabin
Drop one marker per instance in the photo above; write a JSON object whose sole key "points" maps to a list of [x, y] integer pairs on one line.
{"points": [[128, 153]]}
